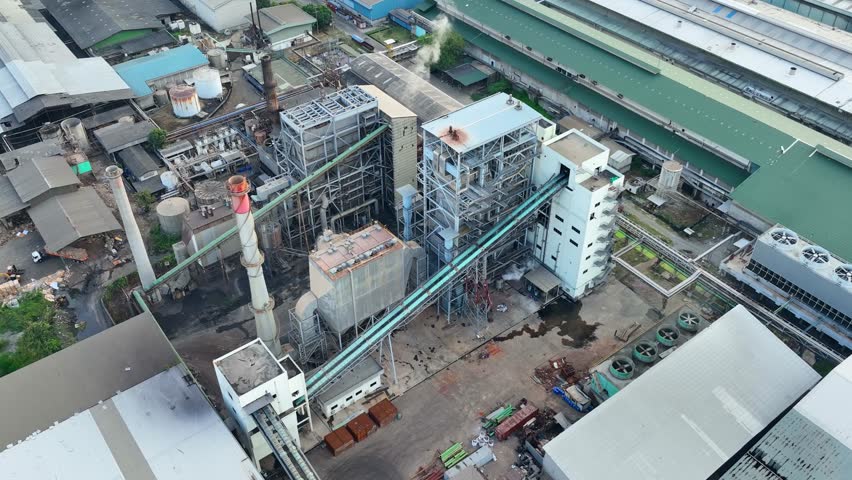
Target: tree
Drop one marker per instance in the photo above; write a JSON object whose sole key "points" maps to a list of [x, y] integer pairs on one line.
{"points": [[38, 341], [145, 199], [452, 50], [321, 12], [157, 138], [266, 3]]}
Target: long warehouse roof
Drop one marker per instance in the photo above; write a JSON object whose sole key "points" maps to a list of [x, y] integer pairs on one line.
{"points": [[794, 183]]}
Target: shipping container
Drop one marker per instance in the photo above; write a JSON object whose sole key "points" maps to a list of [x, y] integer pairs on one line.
{"points": [[516, 421], [339, 440], [361, 427], [383, 412]]}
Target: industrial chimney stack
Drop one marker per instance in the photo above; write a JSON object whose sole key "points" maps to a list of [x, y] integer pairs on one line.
{"points": [[131, 229], [269, 87], [252, 259]]}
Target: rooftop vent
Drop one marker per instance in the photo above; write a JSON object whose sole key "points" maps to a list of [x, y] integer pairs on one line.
{"points": [[688, 321], [844, 275], [622, 368], [645, 352], [784, 238], [816, 256], [667, 336]]}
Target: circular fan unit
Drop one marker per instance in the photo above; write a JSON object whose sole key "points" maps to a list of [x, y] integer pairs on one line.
{"points": [[784, 237], [688, 321], [667, 336], [816, 255], [844, 274], [622, 368]]}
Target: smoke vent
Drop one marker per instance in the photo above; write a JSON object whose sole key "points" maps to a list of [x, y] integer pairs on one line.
{"points": [[667, 336], [622, 368], [645, 352], [815, 256], [688, 321], [844, 275], [784, 238]]}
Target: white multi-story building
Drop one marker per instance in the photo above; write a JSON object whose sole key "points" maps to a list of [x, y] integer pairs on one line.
{"points": [[250, 379], [576, 241]]}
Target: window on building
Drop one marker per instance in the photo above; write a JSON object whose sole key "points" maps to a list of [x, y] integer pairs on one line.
{"points": [[538, 247], [586, 270], [349, 399], [295, 394], [588, 257], [589, 245], [576, 230], [598, 204], [373, 384], [553, 257], [557, 231], [574, 243], [557, 217], [592, 217], [358, 393]]}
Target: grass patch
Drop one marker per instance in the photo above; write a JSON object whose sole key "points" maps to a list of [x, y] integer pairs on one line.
{"points": [[391, 32], [823, 366], [34, 317], [161, 242], [653, 231], [505, 86], [639, 168], [32, 308]]}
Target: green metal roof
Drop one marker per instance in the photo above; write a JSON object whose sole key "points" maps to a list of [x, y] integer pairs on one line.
{"points": [[797, 186], [466, 74]]}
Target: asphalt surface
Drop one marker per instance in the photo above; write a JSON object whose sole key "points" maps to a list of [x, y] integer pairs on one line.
{"points": [[17, 251]]}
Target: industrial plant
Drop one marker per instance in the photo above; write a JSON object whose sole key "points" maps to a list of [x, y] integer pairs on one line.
{"points": [[423, 240]]}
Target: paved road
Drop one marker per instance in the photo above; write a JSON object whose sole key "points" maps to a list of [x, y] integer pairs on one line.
{"points": [[17, 251]]}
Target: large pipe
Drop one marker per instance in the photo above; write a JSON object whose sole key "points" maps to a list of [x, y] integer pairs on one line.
{"points": [[131, 229], [269, 87], [252, 259]]}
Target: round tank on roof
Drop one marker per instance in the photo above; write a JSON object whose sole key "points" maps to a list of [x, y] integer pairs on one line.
{"points": [[210, 192], [49, 131], [169, 180], [217, 58], [161, 98], [208, 84], [75, 133], [170, 213], [670, 175], [185, 102]]}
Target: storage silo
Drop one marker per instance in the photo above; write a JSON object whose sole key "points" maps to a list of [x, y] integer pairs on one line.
{"points": [[210, 192], [49, 131], [208, 84], [218, 58], [670, 175], [161, 98], [170, 213], [185, 102], [75, 133]]}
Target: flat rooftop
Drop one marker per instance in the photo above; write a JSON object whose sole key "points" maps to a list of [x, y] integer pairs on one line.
{"points": [[576, 147], [783, 151], [249, 367], [482, 121], [348, 250]]}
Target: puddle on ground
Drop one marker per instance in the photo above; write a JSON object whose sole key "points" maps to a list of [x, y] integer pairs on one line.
{"points": [[564, 316]]}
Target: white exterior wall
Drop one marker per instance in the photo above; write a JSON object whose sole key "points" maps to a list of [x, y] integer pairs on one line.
{"points": [[228, 15], [287, 43], [351, 396], [576, 219]]}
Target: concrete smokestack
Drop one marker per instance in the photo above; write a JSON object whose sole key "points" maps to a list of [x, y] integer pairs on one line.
{"points": [[261, 302], [269, 87], [131, 229]]}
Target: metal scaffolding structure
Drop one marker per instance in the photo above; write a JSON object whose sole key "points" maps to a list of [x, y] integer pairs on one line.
{"points": [[311, 135], [309, 336], [476, 168]]}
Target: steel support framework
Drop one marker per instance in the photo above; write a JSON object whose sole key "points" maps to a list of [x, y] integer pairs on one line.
{"points": [[311, 135], [464, 194]]}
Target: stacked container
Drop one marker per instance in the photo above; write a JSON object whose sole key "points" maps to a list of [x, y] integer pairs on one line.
{"points": [[339, 440], [383, 413], [361, 427], [515, 422]]}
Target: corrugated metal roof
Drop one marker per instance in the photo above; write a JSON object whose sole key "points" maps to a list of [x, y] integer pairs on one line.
{"points": [[91, 21], [39, 175], [139, 71], [10, 202], [543, 279], [123, 135], [279, 17], [65, 218], [138, 161], [22, 155], [691, 411]]}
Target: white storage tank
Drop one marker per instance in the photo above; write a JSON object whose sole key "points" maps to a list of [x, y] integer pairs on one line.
{"points": [[218, 58], [185, 102], [169, 180], [208, 84], [75, 133], [670, 175], [170, 213]]}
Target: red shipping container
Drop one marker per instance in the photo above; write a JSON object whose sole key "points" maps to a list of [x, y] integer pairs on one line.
{"points": [[339, 440], [516, 421], [383, 412], [361, 427]]}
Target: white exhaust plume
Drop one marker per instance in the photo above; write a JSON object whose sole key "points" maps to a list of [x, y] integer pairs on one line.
{"points": [[429, 54]]}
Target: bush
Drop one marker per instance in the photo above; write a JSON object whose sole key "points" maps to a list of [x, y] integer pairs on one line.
{"points": [[115, 287], [39, 340], [157, 138], [145, 199], [32, 308], [321, 12], [161, 242]]}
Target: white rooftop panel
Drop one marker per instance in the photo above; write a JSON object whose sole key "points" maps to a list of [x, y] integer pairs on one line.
{"points": [[827, 405], [689, 413]]}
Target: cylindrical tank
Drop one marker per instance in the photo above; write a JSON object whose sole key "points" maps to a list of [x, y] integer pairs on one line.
{"points": [[161, 98], [170, 213], [670, 175], [169, 180], [217, 58], [185, 102], [75, 133], [194, 28], [208, 84], [49, 131], [210, 192]]}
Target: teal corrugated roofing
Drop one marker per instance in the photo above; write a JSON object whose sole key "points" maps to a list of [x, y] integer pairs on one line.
{"points": [[796, 186], [139, 71]]}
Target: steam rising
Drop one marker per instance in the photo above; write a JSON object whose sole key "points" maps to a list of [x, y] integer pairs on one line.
{"points": [[429, 54]]}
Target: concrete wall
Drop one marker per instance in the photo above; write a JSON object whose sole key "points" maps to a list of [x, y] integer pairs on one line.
{"points": [[551, 471], [198, 240], [287, 37], [403, 146], [351, 396]]}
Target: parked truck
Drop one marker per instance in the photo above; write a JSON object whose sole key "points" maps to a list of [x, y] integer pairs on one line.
{"points": [[70, 253], [574, 397]]}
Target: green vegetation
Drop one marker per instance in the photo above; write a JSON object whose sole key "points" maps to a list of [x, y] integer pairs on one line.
{"points": [[641, 169], [34, 318], [117, 286], [161, 242], [389, 32], [321, 12], [823, 366], [145, 199], [653, 231], [157, 138], [505, 86], [452, 50]]}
